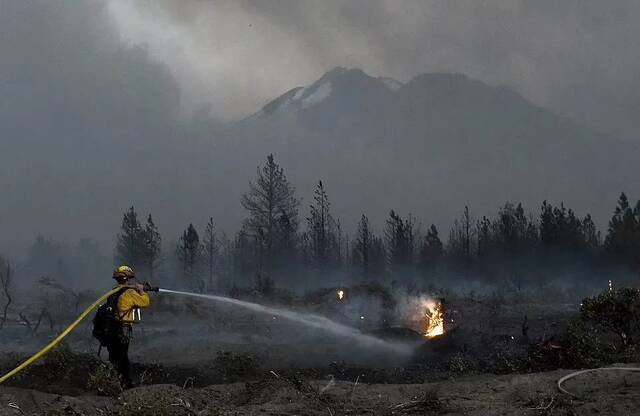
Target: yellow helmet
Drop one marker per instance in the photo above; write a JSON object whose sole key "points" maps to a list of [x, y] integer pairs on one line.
{"points": [[124, 272]]}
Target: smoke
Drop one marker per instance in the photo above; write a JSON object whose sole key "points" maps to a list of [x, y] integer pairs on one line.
{"points": [[77, 113], [575, 57], [94, 97]]}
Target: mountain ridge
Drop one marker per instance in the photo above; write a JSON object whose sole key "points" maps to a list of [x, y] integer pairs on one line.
{"points": [[440, 136]]}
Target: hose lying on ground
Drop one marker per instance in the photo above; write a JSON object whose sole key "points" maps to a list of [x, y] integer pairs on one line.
{"points": [[591, 370], [59, 338]]}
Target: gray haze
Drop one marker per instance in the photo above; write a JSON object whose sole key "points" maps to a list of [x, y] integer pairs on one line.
{"points": [[101, 108], [579, 58]]}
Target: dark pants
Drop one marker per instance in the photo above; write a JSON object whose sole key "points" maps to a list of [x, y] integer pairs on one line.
{"points": [[119, 356]]}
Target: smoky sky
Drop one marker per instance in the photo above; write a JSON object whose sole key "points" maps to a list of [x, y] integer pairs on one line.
{"points": [[75, 119], [97, 97], [579, 58]]}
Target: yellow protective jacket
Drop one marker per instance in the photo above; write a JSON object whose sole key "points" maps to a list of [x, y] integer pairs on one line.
{"points": [[130, 300]]}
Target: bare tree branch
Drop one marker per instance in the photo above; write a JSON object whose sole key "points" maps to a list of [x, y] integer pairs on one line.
{"points": [[5, 282]]}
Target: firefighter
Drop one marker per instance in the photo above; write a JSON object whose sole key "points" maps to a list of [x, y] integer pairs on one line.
{"points": [[130, 300]]}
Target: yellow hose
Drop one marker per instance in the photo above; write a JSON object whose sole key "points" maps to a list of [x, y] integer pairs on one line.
{"points": [[53, 343]]}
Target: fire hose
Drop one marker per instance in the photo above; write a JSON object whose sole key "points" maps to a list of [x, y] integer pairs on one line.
{"points": [[60, 337], [591, 370]]}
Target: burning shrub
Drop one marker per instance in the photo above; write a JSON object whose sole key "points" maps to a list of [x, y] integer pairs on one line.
{"points": [[423, 313], [434, 319]]}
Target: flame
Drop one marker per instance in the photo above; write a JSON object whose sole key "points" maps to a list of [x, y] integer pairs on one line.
{"points": [[433, 319], [340, 294]]}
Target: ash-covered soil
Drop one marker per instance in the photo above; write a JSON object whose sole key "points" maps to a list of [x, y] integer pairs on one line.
{"points": [[608, 393], [199, 358]]}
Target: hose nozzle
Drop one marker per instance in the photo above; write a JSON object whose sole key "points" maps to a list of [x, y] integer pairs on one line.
{"points": [[149, 288]]}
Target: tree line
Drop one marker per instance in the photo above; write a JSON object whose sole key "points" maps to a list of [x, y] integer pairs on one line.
{"points": [[276, 244]]}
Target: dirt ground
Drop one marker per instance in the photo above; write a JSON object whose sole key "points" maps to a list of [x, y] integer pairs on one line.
{"points": [[610, 393], [203, 359]]}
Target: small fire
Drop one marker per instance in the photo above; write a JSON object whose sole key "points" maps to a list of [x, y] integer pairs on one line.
{"points": [[433, 319], [340, 294]]}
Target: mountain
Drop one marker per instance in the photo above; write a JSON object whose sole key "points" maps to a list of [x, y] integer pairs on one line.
{"points": [[339, 90], [435, 144]]}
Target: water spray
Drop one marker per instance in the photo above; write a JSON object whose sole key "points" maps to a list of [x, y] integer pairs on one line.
{"points": [[310, 320]]}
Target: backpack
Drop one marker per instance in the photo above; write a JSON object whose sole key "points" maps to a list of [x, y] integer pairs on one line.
{"points": [[106, 326]]}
